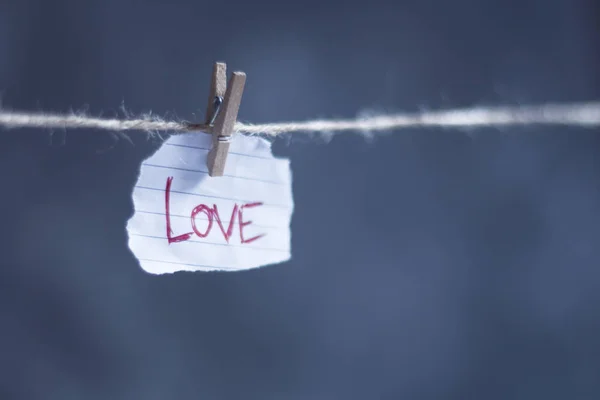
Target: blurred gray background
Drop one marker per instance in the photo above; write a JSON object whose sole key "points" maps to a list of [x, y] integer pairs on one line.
{"points": [[426, 264]]}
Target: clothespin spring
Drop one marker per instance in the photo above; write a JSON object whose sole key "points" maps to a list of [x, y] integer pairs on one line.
{"points": [[218, 101], [216, 108]]}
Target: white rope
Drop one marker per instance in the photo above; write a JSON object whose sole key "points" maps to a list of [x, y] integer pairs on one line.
{"points": [[585, 114], [581, 115], [12, 120]]}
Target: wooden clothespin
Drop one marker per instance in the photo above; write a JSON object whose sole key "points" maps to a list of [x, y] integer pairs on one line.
{"points": [[221, 115]]}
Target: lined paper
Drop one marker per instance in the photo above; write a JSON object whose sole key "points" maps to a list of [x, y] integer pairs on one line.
{"points": [[235, 222]]}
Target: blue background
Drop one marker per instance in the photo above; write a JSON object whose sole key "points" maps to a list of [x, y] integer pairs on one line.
{"points": [[426, 263]]}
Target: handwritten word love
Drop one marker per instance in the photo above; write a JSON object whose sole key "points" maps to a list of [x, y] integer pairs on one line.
{"points": [[212, 214]]}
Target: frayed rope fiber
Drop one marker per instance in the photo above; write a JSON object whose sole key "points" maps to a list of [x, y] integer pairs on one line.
{"points": [[579, 114]]}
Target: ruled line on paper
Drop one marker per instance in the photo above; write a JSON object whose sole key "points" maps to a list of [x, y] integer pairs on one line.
{"points": [[186, 264], [212, 196], [190, 241], [205, 172], [230, 152], [224, 221]]}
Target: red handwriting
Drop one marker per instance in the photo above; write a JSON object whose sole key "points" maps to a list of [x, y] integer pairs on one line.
{"points": [[216, 216], [212, 214], [243, 224], [197, 210], [170, 238]]}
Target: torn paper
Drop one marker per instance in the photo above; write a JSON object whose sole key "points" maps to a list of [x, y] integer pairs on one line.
{"points": [[185, 220]]}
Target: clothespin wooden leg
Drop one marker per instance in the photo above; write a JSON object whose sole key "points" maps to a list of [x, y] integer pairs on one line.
{"points": [[224, 124]]}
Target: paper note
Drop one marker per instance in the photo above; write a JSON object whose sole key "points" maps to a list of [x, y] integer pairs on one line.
{"points": [[185, 220]]}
